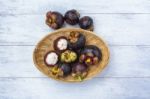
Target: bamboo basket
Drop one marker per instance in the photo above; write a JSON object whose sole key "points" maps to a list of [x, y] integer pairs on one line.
{"points": [[46, 45]]}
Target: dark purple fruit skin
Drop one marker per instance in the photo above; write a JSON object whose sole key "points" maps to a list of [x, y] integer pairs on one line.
{"points": [[79, 68], [86, 22], [72, 17], [56, 41], [79, 44], [92, 49], [66, 68], [50, 65], [58, 19]]}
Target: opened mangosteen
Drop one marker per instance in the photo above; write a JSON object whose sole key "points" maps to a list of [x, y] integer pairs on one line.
{"points": [[86, 23], [79, 71], [54, 19], [51, 58], [72, 17], [90, 55], [76, 40], [60, 43], [68, 56]]}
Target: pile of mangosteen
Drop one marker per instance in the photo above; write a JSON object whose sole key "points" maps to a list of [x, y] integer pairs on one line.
{"points": [[71, 56], [55, 20]]}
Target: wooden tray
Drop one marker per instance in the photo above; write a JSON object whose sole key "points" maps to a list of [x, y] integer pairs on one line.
{"points": [[46, 44]]}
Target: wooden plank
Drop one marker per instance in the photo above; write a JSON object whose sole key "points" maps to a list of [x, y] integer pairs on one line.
{"points": [[84, 6], [104, 88], [120, 29], [125, 61]]}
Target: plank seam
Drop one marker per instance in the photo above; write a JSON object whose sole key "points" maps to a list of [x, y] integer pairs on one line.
{"points": [[82, 13], [94, 77], [108, 45]]}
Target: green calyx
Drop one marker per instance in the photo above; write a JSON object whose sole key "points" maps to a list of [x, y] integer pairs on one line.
{"points": [[68, 56]]}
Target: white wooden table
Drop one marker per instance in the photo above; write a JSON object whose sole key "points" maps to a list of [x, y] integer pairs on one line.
{"points": [[125, 26]]}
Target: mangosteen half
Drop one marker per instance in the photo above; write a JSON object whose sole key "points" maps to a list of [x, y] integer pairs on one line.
{"points": [[61, 43], [51, 58]]}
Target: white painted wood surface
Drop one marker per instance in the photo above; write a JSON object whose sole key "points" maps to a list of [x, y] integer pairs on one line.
{"points": [[95, 6], [98, 88], [116, 29], [125, 26]]}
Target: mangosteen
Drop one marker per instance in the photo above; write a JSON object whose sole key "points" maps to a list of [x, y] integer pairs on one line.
{"points": [[76, 40], [60, 43], [54, 19], [86, 23], [90, 55], [51, 58], [72, 17], [68, 56], [79, 71], [61, 70], [66, 69]]}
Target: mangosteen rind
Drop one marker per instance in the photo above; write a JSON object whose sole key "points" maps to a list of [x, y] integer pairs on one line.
{"points": [[79, 67], [66, 68], [72, 17], [86, 22]]}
